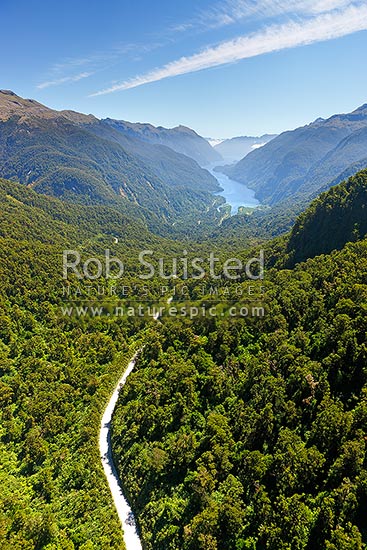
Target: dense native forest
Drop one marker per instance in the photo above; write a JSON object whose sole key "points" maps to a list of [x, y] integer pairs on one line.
{"points": [[56, 374], [235, 435], [57, 371], [231, 433]]}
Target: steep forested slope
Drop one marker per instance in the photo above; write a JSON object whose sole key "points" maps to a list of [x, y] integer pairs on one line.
{"points": [[336, 217], [329, 219], [351, 151], [180, 139], [173, 168], [233, 433], [251, 434]]}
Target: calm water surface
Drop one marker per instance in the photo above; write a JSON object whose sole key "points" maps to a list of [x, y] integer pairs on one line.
{"points": [[235, 193]]}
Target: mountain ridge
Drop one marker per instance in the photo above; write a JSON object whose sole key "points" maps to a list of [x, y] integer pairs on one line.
{"points": [[236, 148], [293, 161], [63, 153], [181, 139]]}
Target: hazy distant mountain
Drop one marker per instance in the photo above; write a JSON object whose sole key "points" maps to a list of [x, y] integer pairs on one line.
{"points": [[174, 169], [350, 171], [347, 158], [306, 159], [236, 148], [181, 139], [80, 158]]}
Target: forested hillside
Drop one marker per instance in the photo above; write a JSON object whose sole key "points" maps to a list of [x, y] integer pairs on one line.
{"points": [[233, 433], [181, 139], [333, 219], [183, 275], [317, 223], [173, 168], [250, 433], [56, 373]]}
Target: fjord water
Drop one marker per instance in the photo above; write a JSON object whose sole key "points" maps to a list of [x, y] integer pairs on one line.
{"points": [[236, 194]]}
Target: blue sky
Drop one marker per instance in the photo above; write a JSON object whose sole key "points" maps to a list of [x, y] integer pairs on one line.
{"points": [[224, 68]]}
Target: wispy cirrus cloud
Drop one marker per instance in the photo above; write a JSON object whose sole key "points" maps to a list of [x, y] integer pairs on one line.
{"points": [[317, 28], [88, 65], [182, 27], [234, 11], [238, 9], [64, 80]]}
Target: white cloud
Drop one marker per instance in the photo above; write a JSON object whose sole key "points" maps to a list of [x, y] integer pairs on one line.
{"points": [[228, 12], [63, 80], [322, 6], [92, 63], [232, 11], [182, 27], [274, 38]]}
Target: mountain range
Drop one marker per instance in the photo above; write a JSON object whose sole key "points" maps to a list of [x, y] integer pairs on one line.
{"points": [[81, 158], [181, 139], [146, 172], [307, 159], [234, 149]]}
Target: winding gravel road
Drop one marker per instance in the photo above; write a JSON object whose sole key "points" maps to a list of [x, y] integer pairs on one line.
{"points": [[126, 516]]}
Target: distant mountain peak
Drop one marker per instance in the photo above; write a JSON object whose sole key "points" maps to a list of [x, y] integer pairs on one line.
{"points": [[83, 159], [184, 129], [236, 148], [11, 104]]}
